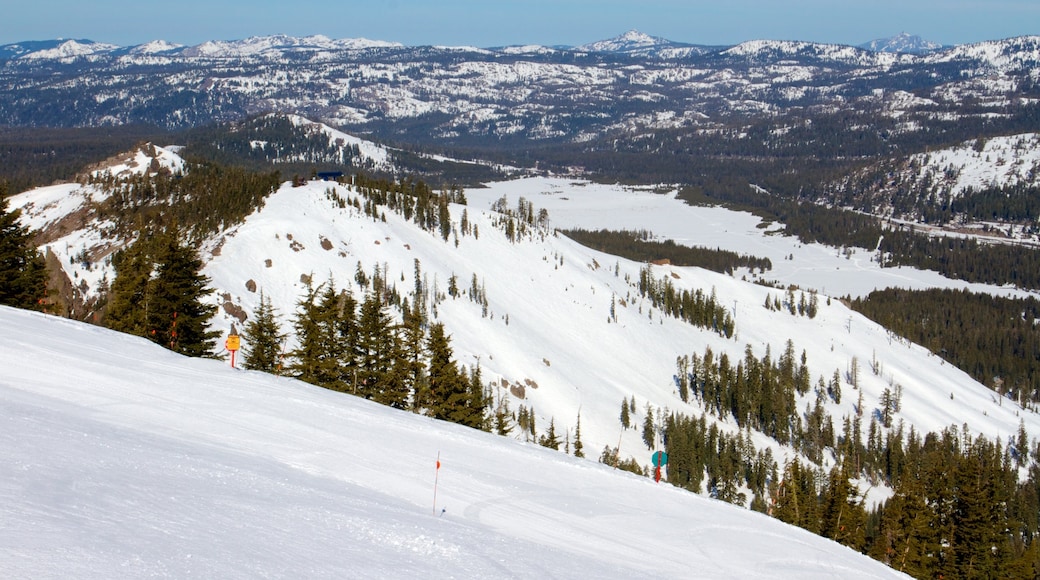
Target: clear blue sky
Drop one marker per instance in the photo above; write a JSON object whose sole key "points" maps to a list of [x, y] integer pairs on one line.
{"points": [[487, 23]]}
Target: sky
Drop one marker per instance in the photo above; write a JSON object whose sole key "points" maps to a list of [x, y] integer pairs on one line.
{"points": [[510, 22]]}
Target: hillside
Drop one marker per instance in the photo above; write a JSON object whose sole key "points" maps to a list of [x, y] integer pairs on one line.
{"points": [[780, 375], [127, 460], [554, 326], [982, 180]]}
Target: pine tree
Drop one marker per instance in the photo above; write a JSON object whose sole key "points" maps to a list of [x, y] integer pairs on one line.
{"points": [[626, 418], [158, 294], [843, 517], [177, 318], [263, 339], [502, 418], [127, 308], [380, 366], [648, 427], [550, 439], [23, 273], [578, 445], [412, 343], [450, 392], [479, 401], [306, 357]]}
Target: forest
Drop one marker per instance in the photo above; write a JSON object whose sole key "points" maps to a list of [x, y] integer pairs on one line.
{"points": [[640, 247], [994, 339]]}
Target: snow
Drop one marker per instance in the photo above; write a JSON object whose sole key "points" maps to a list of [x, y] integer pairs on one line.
{"points": [[1000, 162], [126, 460], [547, 327], [580, 204], [547, 324], [70, 49]]}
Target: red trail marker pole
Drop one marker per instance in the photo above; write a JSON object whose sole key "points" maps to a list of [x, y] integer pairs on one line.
{"points": [[436, 476]]}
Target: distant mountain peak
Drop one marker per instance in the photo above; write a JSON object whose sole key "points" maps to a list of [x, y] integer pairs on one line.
{"points": [[629, 41], [903, 43]]}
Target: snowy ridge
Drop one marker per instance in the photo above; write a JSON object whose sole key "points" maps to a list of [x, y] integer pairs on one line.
{"points": [[996, 162], [547, 296], [155, 46], [1001, 55], [631, 40], [379, 155], [124, 459], [512, 93], [70, 49], [261, 45], [768, 49], [903, 43]]}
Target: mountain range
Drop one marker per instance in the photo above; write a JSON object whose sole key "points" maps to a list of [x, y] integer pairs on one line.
{"points": [[630, 87]]}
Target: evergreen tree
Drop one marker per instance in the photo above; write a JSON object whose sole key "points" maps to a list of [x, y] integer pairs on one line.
{"points": [[450, 391], [479, 402], [263, 339], [176, 317], [127, 308], [307, 355], [648, 427], [23, 274], [412, 344], [842, 517], [502, 418], [158, 294], [578, 445], [626, 418], [550, 439], [380, 365]]}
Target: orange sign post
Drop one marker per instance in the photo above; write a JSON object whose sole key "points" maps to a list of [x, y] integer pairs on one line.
{"points": [[233, 343]]}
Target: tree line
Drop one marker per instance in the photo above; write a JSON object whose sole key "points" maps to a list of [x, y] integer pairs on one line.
{"points": [[359, 348], [695, 307], [639, 247], [992, 338]]}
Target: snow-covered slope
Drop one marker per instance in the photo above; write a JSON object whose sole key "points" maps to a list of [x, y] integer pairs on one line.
{"points": [[547, 327], [547, 338], [904, 43], [982, 163], [123, 460]]}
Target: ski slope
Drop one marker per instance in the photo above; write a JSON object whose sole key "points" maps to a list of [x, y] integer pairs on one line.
{"points": [[124, 460]]}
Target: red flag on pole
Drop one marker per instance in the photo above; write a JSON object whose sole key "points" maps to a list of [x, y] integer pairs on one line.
{"points": [[436, 476]]}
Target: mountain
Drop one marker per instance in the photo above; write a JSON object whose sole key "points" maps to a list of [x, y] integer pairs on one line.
{"points": [[637, 44], [530, 304], [52, 49], [125, 459], [903, 43], [293, 143], [611, 95]]}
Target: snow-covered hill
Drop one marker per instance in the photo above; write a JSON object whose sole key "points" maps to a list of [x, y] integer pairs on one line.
{"points": [[903, 43], [125, 460], [548, 339], [933, 179]]}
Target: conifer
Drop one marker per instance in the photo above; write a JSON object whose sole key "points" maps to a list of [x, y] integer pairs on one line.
{"points": [[23, 273], [263, 339]]}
